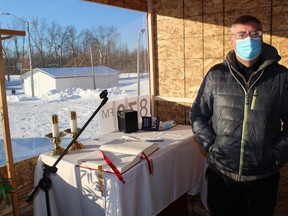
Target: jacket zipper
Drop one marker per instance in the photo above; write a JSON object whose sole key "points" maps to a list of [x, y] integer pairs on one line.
{"points": [[241, 162], [246, 90], [244, 127], [255, 94]]}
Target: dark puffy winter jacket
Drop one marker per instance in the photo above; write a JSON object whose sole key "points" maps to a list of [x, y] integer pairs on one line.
{"points": [[242, 125]]}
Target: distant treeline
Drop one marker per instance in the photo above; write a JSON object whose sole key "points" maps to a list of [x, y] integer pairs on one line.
{"points": [[55, 46]]}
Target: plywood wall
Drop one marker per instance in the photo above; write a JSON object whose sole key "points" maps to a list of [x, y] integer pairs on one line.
{"points": [[193, 35], [25, 184]]}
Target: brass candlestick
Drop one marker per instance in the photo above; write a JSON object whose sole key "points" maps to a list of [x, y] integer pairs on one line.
{"points": [[76, 145], [55, 135], [57, 144], [73, 131]]}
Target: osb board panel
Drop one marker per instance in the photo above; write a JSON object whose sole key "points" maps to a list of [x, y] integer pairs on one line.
{"points": [[279, 41], [280, 18], [213, 46], [170, 8], [170, 28], [212, 7], [278, 2], [193, 26], [139, 5], [192, 8], [209, 63], [262, 13], [194, 47], [266, 38], [192, 90], [227, 29], [284, 60], [172, 111], [193, 77], [24, 180], [240, 5], [170, 78], [213, 24], [194, 70], [170, 49], [227, 45]]}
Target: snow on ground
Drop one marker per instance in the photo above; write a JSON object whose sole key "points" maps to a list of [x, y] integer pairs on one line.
{"points": [[29, 118]]}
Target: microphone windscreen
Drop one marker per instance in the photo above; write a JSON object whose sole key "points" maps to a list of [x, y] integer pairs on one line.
{"points": [[103, 94]]}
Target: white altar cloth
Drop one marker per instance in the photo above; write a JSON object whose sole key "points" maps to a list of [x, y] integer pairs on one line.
{"points": [[178, 168]]}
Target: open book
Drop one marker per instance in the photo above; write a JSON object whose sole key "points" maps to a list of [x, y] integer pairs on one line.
{"points": [[121, 155]]}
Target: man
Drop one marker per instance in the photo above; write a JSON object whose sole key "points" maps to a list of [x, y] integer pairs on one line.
{"points": [[240, 118]]}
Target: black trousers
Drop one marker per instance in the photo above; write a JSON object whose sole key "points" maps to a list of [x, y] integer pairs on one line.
{"points": [[227, 197]]}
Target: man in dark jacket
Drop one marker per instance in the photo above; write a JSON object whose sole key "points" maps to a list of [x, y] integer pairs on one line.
{"points": [[240, 118]]}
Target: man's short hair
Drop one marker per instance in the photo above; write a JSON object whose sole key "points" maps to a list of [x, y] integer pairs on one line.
{"points": [[245, 20]]}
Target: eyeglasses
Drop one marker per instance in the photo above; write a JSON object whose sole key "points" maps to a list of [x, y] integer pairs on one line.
{"points": [[253, 34]]}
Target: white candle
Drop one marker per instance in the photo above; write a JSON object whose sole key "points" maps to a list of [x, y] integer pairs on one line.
{"points": [[55, 125], [73, 122]]}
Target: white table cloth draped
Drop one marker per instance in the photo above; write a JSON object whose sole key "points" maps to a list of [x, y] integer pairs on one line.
{"points": [[178, 168]]}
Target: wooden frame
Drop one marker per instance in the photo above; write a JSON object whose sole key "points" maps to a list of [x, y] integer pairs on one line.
{"points": [[6, 34]]}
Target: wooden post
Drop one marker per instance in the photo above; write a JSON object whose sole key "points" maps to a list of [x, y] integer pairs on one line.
{"points": [[5, 34], [151, 54]]}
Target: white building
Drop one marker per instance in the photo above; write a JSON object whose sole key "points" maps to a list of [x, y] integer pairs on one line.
{"points": [[46, 79]]}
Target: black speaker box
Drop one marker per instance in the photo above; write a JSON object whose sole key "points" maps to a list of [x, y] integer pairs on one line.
{"points": [[127, 121]]}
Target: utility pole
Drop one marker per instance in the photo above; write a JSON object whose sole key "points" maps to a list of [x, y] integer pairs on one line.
{"points": [[138, 61], [93, 73], [30, 48], [30, 60]]}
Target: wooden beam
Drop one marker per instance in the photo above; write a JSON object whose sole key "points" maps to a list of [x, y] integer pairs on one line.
{"points": [[139, 5], [151, 54], [10, 33], [174, 99], [5, 122]]}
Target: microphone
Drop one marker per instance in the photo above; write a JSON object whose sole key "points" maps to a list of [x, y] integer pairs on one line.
{"points": [[103, 94]]}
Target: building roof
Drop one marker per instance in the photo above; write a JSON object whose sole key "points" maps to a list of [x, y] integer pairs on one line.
{"points": [[74, 71]]}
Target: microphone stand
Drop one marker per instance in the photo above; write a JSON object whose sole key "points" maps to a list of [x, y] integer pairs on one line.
{"points": [[45, 183]]}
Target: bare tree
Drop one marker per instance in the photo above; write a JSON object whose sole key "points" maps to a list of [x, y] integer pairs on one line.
{"points": [[15, 53], [106, 38], [39, 41], [8, 58], [72, 47], [55, 46], [56, 39], [19, 41]]}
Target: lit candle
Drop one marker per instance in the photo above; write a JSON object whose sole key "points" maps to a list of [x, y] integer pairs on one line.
{"points": [[55, 125], [73, 122]]}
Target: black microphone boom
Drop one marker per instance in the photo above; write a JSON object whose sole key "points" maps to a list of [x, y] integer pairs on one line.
{"points": [[45, 183]]}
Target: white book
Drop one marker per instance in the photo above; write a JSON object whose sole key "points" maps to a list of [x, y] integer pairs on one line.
{"points": [[122, 154]]}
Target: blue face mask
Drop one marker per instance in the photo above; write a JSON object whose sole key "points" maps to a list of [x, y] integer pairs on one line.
{"points": [[248, 48]]}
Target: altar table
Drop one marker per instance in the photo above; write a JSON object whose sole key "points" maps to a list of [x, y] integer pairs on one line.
{"points": [[75, 191]]}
